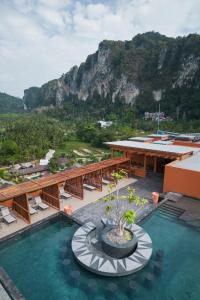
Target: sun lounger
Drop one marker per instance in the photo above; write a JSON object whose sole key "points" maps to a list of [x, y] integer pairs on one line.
{"points": [[105, 181], [64, 194], [41, 204], [89, 187], [7, 215], [32, 210]]}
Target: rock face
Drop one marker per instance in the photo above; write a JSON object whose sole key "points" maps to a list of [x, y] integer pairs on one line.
{"points": [[127, 70]]}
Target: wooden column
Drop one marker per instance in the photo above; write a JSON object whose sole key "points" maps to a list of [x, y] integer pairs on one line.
{"points": [[145, 163], [155, 164]]}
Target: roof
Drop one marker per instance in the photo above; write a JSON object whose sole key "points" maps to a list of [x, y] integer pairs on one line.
{"points": [[44, 162], [174, 149], [185, 137], [28, 171], [27, 164], [156, 135], [140, 139], [190, 163], [160, 142], [34, 185]]}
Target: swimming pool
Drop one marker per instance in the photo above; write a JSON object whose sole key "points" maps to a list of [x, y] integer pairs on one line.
{"points": [[38, 263]]}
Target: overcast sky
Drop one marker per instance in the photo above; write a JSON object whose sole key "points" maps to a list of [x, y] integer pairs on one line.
{"points": [[41, 39]]}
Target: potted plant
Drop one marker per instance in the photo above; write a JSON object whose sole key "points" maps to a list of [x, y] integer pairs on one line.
{"points": [[117, 240], [120, 211]]}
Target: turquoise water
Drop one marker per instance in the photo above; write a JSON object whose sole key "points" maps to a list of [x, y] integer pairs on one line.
{"points": [[35, 263]]}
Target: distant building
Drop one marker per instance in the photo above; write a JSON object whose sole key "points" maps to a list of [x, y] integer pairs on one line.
{"points": [[105, 124], [37, 170], [154, 116], [45, 161]]}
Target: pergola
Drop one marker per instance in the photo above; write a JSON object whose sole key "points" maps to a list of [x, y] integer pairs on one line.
{"points": [[48, 186]]}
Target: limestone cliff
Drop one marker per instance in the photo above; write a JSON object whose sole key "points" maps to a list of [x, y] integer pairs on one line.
{"points": [[130, 70]]}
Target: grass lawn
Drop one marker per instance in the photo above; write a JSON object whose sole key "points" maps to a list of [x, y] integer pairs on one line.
{"points": [[77, 145]]}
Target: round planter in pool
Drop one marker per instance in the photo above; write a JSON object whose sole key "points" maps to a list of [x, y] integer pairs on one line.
{"points": [[116, 250]]}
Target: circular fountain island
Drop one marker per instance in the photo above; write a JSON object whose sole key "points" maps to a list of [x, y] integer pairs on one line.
{"points": [[95, 250], [117, 246]]}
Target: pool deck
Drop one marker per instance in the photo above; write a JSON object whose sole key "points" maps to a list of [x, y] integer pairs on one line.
{"points": [[89, 197], [3, 293], [89, 209], [191, 216], [93, 211]]}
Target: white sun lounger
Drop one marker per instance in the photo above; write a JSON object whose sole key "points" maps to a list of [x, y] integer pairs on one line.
{"points": [[105, 181], [89, 187], [32, 210], [7, 215], [64, 194], [40, 204]]}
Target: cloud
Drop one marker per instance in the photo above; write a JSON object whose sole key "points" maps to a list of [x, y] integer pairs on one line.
{"points": [[41, 39]]}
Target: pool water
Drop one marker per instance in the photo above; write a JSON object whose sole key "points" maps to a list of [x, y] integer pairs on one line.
{"points": [[34, 261]]}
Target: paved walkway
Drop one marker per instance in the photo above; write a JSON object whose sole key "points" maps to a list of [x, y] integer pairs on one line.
{"points": [[3, 293], [144, 187]]}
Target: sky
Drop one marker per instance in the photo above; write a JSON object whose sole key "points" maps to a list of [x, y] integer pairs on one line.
{"points": [[42, 39]]}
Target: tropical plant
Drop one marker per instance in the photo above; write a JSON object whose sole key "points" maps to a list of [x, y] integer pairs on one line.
{"points": [[119, 206]]}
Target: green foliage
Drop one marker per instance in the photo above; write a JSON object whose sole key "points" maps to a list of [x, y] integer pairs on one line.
{"points": [[127, 235], [129, 216], [91, 133], [53, 165], [120, 212], [28, 137], [134, 198], [8, 148], [9, 151], [108, 209], [121, 174]]}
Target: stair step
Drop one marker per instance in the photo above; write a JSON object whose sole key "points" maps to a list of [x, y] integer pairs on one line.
{"points": [[167, 216], [173, 207], [164, 212], [170, 210]]}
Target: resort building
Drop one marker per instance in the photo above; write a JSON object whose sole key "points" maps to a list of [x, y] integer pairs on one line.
{"points": [[179, 163]]}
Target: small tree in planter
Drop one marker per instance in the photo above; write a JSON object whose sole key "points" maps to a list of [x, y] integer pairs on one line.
{"points": [[119, 206]]}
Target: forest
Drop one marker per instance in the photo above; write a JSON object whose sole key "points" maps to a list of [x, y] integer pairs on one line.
{"points": [[28, 136]]}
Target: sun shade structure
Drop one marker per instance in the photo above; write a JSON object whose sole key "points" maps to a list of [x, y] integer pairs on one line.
{"points": [[48, 186]]}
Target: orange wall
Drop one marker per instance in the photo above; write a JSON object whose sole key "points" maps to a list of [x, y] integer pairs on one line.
{"points": [[182, 181]]}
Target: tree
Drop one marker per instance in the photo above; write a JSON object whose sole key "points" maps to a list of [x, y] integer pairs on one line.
{"points": [[9, 148], [119, 210]]}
